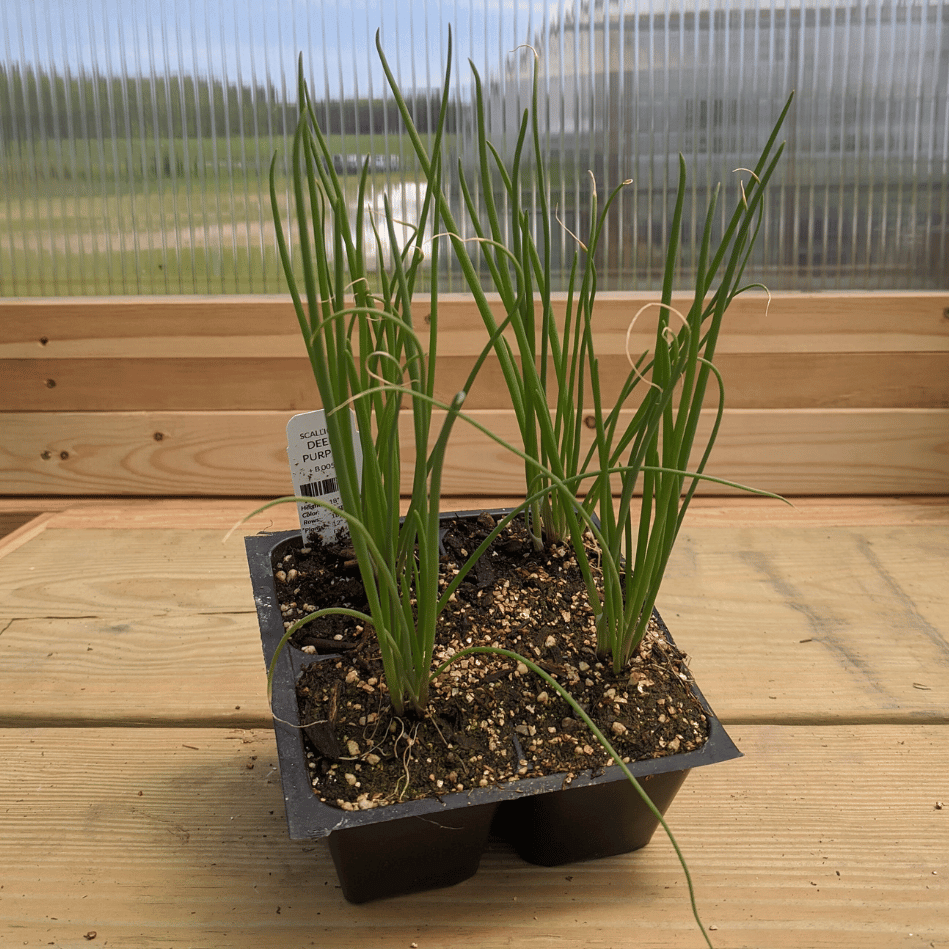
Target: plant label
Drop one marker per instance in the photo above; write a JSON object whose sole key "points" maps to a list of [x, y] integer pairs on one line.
{"points": [[314, 474]]}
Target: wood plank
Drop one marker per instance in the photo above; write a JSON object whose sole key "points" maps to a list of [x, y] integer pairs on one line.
{"points": [[793, 451], [99, 385], [122, 625], [111, 572], [788, 624], [222, 515], [134, 669], [252, 383], [11, 522], [752, 381], [152, 327], [30, 526], [817, 624], [820, 837], [744, 511]]}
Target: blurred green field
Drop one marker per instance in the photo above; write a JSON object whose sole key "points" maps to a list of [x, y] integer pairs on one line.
{"points": [[25, 163], [181, 239], [151, 217], [177, 216], [34, 273]]}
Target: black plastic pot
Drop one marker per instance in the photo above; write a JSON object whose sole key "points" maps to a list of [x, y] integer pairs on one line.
{"points": [[435, 842]]}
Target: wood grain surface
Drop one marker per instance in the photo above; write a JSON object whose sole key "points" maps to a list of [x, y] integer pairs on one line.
{"points": [[831, 624], [788, 451], [259, 383], [13, 520], [140, 804], [213, 326], [223, 513], [818, 837], [826, 393]]}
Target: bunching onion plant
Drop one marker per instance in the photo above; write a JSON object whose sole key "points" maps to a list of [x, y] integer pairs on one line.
{"points": [[646, 442], [369, 360], [619, 501], [371, 363]]}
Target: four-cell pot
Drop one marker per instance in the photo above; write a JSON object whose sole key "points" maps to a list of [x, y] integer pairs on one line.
{"points": [[438, 841]]}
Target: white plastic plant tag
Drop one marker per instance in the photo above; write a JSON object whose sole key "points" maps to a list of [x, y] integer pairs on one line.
{"points": [[314, 474]]}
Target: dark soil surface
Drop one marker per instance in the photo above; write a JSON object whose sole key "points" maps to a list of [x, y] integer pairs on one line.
{"points": [[489, 719]]}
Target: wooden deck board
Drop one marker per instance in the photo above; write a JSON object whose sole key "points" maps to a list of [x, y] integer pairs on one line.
{"points": [[13, 520], [815, 623], [742, 511], [215, 326], [789, 451], [253, 382], [826, 624], [109, 571], [184, 668], [818, 631], [819, 837]]}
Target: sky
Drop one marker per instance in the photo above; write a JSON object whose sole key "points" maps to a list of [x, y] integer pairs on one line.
{"points": [[250, 41], [253, 41]]}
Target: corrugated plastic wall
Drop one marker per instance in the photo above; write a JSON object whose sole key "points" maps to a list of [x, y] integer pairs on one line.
{"points": [[135, 139]]}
